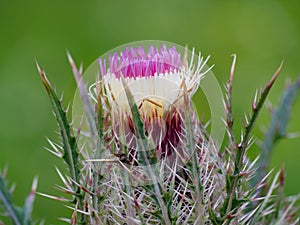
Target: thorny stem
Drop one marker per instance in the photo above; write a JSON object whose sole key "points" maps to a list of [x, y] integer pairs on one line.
{"points": [[256, 109], [242, 147]]}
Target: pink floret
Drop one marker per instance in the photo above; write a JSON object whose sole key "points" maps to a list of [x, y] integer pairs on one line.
{"points": [[135, 62]]}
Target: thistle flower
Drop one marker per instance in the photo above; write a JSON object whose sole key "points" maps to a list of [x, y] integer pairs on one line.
{"points": [[158, 78], [159, 84]]}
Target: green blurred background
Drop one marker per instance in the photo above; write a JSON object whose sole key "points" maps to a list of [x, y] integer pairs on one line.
{"points": [[261, 33]]}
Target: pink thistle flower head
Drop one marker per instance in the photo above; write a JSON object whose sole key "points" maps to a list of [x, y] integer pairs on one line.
{"points": [[157, 77]]}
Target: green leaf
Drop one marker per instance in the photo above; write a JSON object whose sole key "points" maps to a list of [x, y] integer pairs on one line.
{"points": [[244, 144], [278, 126], [18, 215], [14, 212], [70, 154]]}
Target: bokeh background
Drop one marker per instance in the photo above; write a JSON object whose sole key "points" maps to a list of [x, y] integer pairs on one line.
{"points": [[261, 33]]}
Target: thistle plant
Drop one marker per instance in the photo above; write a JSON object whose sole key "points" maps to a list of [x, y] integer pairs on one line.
{"points": [[140, 155]]}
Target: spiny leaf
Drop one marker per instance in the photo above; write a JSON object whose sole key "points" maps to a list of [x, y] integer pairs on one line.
{"points": [[12, 210], [278, 126], [244, 144], [70, 154], [19, 216], [257, 107]]}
